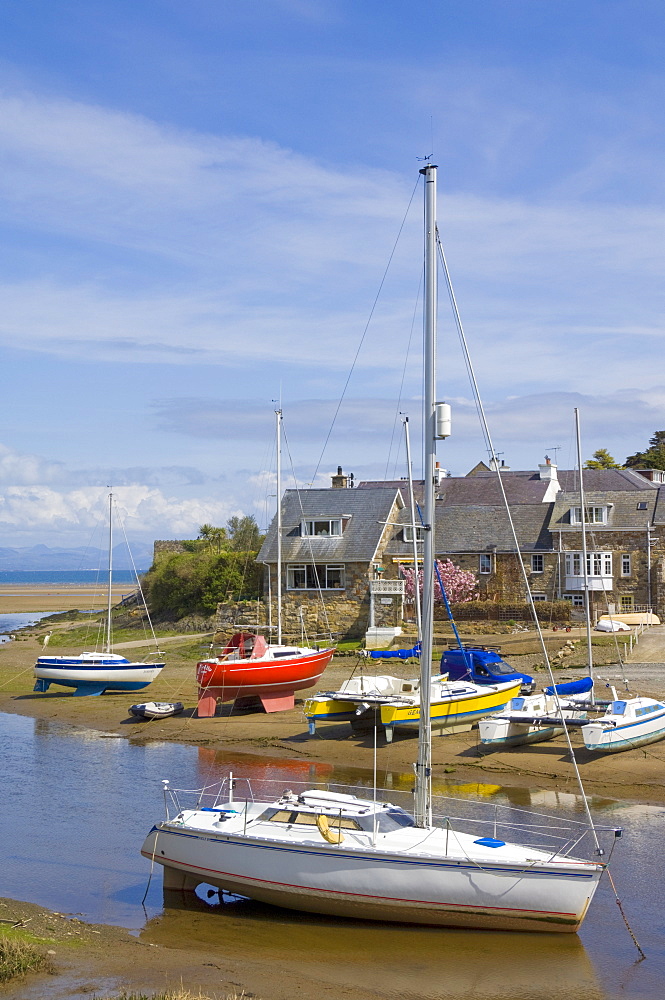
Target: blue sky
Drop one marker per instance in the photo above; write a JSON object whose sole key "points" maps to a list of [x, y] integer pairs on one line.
{"points": [[198, 203]]}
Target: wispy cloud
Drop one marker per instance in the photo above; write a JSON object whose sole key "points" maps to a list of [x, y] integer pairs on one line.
{"points": [[256, 255]]}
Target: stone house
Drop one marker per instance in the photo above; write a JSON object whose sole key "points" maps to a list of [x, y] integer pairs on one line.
{"points": [[342, 547], [333, 544], [625, 518], [625, 534]]}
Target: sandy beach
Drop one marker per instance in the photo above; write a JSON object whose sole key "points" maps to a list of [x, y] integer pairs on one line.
{"points": [[19, 598]]}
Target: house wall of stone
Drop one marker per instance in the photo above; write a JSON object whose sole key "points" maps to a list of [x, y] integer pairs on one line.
{"points": [[173, 545], [304, 611], [506, 582], [633, 543], [345, 613]]}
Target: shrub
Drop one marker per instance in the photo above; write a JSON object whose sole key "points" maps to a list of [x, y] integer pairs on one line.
{"points": [[183, 583], [19, 957]]}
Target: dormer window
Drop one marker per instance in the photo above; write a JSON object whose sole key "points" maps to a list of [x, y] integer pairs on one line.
{"points": [[592, 515], [322, 527], [407, 533]]}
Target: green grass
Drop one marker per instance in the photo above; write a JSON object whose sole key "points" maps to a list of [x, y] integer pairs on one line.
{"points": [[20, 957], [348, 647], [180, 994], [87, 634]]}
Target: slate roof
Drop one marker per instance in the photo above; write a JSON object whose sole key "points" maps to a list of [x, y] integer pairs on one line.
{"points": [[605, 479], [398, 484], [659, 513], [469, 512], [480, 528], [366, 510], [623, 513], [468, 528]]}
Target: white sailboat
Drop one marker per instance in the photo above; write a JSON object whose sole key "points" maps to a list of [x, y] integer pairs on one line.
{"points": [[326, 852], [93, 673]]}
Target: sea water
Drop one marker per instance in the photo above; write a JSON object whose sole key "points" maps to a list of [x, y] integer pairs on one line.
{"points": [[74, 577]]}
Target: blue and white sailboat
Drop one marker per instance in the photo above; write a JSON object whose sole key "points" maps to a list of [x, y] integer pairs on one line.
{"points": [[93, 673]]}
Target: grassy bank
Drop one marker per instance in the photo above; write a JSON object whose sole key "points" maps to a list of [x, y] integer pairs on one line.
{"points": [[18, 957]]}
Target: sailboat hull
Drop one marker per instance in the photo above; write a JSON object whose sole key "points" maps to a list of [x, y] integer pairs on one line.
{"points": [[452, 713], [273, 679], [373, 885], [87, 679]]}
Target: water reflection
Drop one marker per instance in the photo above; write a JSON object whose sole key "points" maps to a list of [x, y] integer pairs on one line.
{"points": [[379, 959]]}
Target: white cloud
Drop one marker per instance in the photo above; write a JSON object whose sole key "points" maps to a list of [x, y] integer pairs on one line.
{"points": [[47, 514], [16, 468]]}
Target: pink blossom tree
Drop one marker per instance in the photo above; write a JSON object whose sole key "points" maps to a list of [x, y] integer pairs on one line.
{"points": [[460, 585]]}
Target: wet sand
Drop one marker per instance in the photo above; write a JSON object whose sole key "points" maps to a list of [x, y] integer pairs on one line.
{"points": [[20, 598], [638, 775]]}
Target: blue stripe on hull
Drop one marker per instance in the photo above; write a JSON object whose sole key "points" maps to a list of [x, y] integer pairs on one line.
{"points": [[91, 687], [627, 744]]}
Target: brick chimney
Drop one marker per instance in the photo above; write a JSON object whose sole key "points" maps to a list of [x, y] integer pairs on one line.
{"points": [[341, 481]]}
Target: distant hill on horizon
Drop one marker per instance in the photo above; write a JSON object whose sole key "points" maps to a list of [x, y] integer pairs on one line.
{"points": [[41, 557]]}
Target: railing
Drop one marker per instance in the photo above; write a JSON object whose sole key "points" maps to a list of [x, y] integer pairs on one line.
{"points": [[546, 831], [387, 586]]}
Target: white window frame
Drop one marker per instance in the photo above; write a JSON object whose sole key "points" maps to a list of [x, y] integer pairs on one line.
{"points": [[626, 564], [577, 600], [593, 515], [407, 533], [485, 563], [598, 564], [537, 562], [538, 597], [312, 527], [316, 577]]}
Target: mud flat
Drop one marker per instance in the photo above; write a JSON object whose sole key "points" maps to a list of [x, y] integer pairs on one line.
{"points": [[637, 775]]}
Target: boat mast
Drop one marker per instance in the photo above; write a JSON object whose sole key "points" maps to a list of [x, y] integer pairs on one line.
{"points": [[278, 415], [414, 529], [107, 647], [423, 797], [587, 607]]}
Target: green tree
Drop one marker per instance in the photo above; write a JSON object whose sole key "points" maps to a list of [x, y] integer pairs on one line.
{"points": [[215, 537], [182, 583], [601, 460], [243, 534], [653, 457]]}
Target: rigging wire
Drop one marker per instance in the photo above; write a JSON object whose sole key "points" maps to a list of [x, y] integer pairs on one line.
{"points": [[488, 438], [365, 330], [530, 601]]}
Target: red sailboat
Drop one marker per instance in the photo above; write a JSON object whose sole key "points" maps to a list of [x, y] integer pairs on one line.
{"points": [[249, 667]]}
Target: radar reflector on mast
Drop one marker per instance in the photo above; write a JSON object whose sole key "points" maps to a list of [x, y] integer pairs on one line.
{"points": [[443, 419]]}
